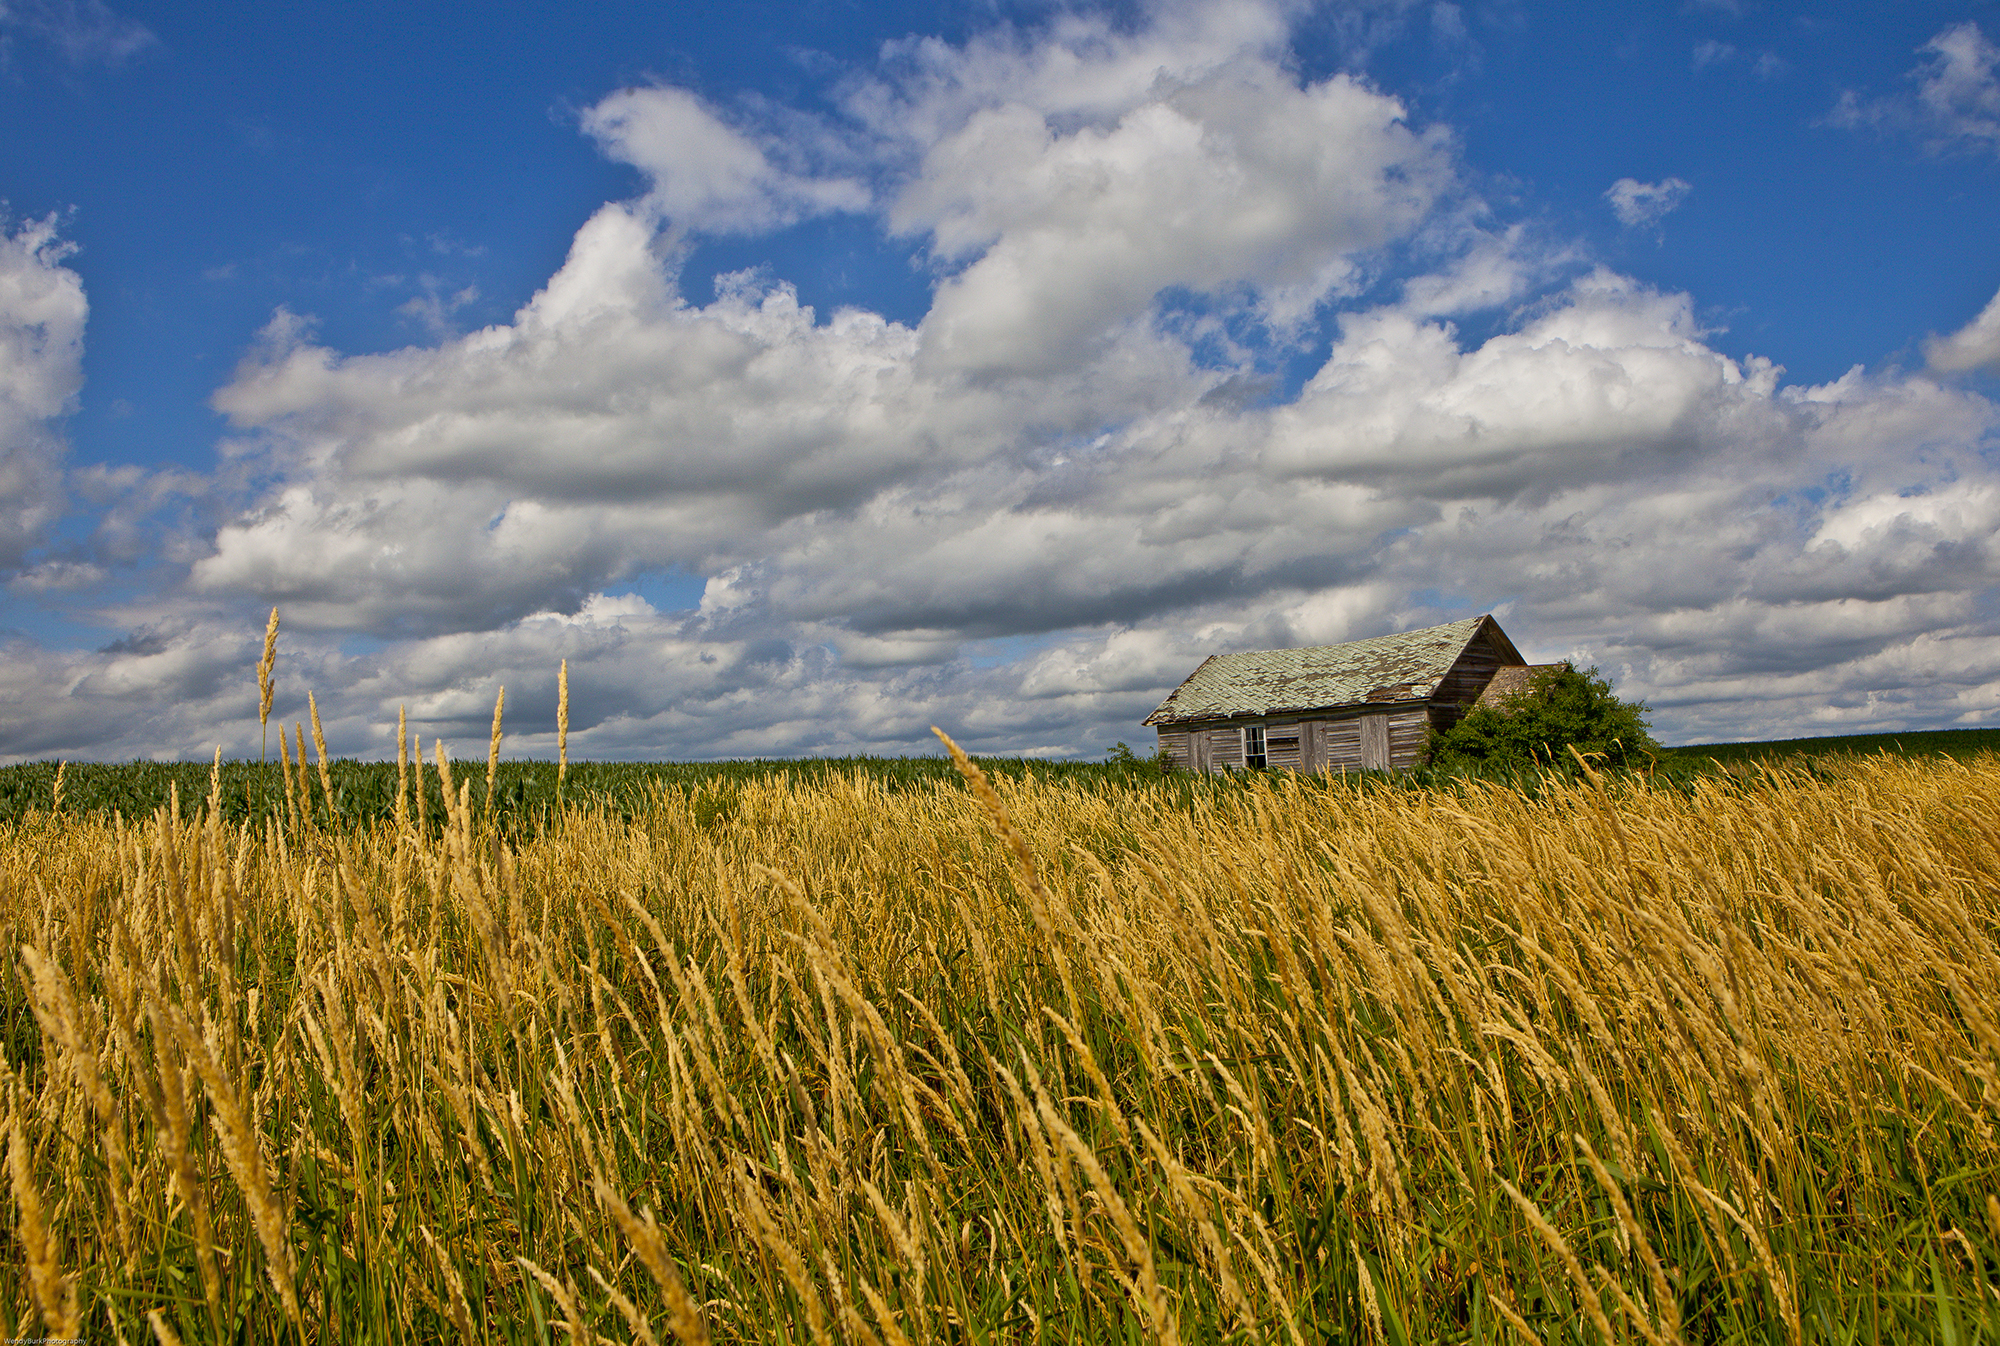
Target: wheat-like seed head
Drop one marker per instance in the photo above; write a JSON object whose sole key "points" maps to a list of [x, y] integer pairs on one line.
{"points": [[243, 1152], [266, 667], [1371, 1305], [444, 773], [565, 1297], [1665, 1302], [562, 722], [457, 1307], [1505, 1307], [1586, 1293], [305, 782], [403, 768], [173, 1129], [54, 1293], [493, 749], [423, 800], [285, 766], [56, 801], [163, 1334], [319, 748], [634, 1318]]}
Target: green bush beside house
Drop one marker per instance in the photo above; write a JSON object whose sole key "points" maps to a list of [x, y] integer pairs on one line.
{"points": [[1560, 708]]}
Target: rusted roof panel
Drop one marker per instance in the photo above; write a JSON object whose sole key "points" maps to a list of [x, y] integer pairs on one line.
{"points": [[1402, 667]]}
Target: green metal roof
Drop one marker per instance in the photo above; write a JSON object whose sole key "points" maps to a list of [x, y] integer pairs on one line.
{"points": [[1403, 667]]}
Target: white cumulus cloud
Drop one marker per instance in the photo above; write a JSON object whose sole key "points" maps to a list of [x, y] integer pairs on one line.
{"points": [[42, 313], [1027, 515], [1973, 346], [1637, 204], [706, 174], [1232, 181]]}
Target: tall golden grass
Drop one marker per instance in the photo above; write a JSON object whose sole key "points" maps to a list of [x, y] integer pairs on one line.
{"points": [[1298, 1062]]}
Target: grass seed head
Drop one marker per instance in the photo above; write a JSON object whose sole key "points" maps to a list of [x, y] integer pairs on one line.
{"points": [[493, 749], [266, 671], [562, 722]]}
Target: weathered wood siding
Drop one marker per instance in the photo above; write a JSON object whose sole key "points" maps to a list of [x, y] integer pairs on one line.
{"points": [[1409, 734], [1282, 743], [1341, 745], [1375, 742], [1225, 748], [1467, 679], [1364, 739]]}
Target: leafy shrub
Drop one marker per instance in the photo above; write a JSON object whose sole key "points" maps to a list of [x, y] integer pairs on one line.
{"points": [[1123, 755], [1560, 708]]}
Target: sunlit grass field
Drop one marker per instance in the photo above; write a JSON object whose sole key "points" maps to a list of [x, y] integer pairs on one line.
{"points": [[1050, 1055]]}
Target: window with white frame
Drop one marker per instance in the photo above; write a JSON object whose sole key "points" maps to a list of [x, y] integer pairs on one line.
{"points": [[1254, 755]]}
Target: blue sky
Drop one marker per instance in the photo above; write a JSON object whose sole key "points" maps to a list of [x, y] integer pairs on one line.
{"points": [[1135, 333]]}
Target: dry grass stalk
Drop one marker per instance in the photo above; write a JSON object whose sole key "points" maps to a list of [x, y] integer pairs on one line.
{"points": [[1666, 1303], [54, 1294], [403, 768], [319, 750], [493, 749], [565, 1298], [1586, 1294], [423, 800], [267, 666], [305, 782], [634, 1318], [176, 1140], [285, 766], [70, 1028], [1511, 1315], [243, 1151], [457, 1308], [162, 1334], [562, 723]]}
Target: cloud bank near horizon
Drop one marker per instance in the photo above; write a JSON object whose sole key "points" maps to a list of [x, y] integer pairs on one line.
{"points": [[1029, 514]]}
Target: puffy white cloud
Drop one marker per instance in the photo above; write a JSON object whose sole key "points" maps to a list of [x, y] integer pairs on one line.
{"points": [[1028, 515], [1614, 380], [706, 174], [1637, 203], [42, 312], [609, 428], [1238, 181], [1973, 346]]}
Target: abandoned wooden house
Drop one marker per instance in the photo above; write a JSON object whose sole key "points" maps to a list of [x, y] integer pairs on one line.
{"points": [[1367, 705]]}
